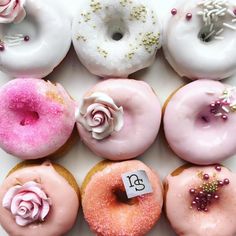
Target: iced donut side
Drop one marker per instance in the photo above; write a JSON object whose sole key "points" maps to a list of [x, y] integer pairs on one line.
{"points": [[33, 113], [116, 38], [199, 122], [199, 39], [199, 201], [32, 191], [106, 206], [119, 118]]}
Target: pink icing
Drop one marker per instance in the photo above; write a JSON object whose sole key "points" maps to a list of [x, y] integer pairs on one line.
{"points": [[218, 221], [64, 202], [32, 113], [12, 11], [142, 117], [28, 203], [192, 131], [108, 216]]}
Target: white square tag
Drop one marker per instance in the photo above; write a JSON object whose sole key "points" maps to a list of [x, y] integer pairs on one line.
{"points": [[136, 183]]}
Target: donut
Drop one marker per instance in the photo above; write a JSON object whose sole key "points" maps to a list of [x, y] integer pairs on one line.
{"points": [[119, 118], [106, 207], [116, 38], [199, 39], [33, 112], [38, 199], [200, 200], [34, 37], [200, 122]]}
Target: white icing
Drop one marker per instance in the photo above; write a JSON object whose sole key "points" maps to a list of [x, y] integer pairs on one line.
{"points": [[49, 32], [100, 115], [116, 38]]}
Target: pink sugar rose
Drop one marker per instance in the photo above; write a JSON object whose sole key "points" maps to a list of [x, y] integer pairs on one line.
{"points": [[28, 203], [100, 115], [12, 11]]}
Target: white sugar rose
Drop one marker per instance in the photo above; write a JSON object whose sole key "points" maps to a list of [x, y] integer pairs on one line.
{"points": [[12, 11], [100, 115], [28, 203]]}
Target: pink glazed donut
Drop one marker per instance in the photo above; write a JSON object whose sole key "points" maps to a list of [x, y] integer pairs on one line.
{"points": [[200, 122], [201, 201], [109, 211], [38, 199], [119, 118], [37, 117]]}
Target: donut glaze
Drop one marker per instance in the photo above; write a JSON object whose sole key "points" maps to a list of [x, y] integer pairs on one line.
{"points": [[196, 128], [186, 220], [116, 38], [63, 212], [33, 112], [187, 44], [33, 47], [107, 215], [141, 119]]}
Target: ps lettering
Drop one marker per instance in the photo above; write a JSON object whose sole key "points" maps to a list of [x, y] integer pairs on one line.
{"points": [[134, 181]]}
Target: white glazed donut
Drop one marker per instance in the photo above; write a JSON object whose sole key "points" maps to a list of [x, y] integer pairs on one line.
{"points": [[116, 38], [200, 38], [35, 37]]}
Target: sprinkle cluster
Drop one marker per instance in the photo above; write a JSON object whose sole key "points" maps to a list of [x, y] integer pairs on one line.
{"points": [[138, 13], [215, 15], [208, 192], [124, 3], [102, 52], [150, 40], [224, 105], [96, 6]]}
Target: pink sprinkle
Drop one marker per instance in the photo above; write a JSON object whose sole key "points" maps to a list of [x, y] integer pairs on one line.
{"points": [[26, 38], [174, 11], [2, 48], [189, 16]]}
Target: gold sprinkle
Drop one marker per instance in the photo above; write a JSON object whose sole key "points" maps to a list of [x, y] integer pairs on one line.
{"points": [[129, 55], [149, 40], [86, 16], [80, 37], [96, 6], [138, 13], [124, 3], [102, 52]]}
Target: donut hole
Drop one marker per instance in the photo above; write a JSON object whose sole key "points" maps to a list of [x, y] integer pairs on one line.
{"points": [[116, 29], [206, 34], [206, 119], [121, 196], [28, 118], [117, 36]]}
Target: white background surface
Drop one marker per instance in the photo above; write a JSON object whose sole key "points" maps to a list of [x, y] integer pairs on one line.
{"points": [[76, 79]]}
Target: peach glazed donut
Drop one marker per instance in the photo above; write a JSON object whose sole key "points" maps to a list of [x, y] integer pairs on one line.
{"points": [[121, 198], [119, 118], [38, 199], [200, 122], [37, 117], [114, 38], [200, 38], [34, 37], [201, 201]]}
